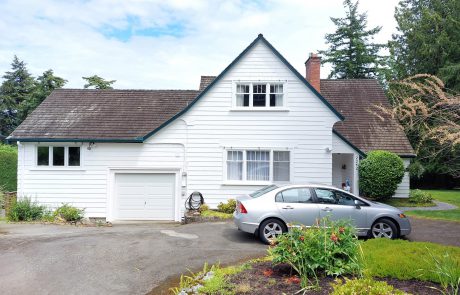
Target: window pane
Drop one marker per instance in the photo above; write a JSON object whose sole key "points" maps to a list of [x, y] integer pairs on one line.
{"points": [[281, 166], [258, 96], [344, 199], [74, 156], [258, 165], [58, 156], [297, 195], [235, 165], [242, 95], [43, 156], [325, 196]]}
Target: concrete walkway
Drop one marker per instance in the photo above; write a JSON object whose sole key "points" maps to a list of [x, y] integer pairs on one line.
{"points": [[439, 206]]}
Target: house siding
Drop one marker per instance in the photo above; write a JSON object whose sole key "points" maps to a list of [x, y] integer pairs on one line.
{"points": [[403, 189]]}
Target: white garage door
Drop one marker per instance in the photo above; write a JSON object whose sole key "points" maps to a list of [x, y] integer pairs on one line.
{"points": [[144, 196]]}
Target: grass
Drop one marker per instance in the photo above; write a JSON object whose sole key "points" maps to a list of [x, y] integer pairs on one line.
{"points": [[446, 196], [404, 260], [213, 213], [405, 203]]}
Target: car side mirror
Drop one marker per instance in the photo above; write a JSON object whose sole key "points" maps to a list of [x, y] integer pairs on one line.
{"points": [[357, 205]]}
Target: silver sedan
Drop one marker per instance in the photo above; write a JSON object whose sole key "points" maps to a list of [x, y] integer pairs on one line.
{"points": [[268, 211]]}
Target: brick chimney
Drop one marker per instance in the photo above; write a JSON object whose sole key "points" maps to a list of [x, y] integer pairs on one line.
{"points": [[313, 67]]}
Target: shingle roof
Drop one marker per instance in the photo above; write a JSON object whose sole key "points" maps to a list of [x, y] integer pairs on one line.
{"points": [[363, 125], [205, 81], [85, 115]]}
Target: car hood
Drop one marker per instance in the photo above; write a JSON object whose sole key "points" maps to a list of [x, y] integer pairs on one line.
{"points": [[382, 205]]}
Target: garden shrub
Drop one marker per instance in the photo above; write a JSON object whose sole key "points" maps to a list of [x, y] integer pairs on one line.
{"points": [[8, 167], [379, 174], [330, 247], [420, 197], [69, 213], [228, 207], [25, 210], [203, 208], [364, 286]]}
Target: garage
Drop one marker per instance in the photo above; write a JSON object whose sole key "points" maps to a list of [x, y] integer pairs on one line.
{"points": [[144, 196]]}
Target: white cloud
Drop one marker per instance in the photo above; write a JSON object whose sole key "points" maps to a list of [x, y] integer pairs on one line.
{"points": [[68, 36]]}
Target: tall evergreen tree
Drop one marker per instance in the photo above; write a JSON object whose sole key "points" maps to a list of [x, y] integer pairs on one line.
{"points": [[18, 85], [351, 51], [428, 41], [98, 82]]}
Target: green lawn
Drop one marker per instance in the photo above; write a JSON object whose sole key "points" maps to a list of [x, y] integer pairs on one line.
{"points": [[447, 196]]}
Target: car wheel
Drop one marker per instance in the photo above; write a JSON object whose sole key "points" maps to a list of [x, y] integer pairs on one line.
{"points": [[384, 228], [270, 229]]}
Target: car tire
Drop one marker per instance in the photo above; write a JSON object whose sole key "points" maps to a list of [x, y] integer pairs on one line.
{"points": [[271, 228], [384, 228]]}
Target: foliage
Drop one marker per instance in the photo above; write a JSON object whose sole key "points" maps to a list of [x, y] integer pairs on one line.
{"points": [[351, 51], [216, 214], [228, 207], [431, 120], [447, 196], [420, 197], [405, 202], [203, 208], [17, 87], [25, 210], [69, 213], [403, 259], [98, 82], [8, 167], [416, 169], [363, 286], [428, 40], [447, 269], [379, 174], [331, 247], [2, 198]]}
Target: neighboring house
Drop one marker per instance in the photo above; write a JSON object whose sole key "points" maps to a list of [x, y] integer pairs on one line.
{"points": [[138, 154]]}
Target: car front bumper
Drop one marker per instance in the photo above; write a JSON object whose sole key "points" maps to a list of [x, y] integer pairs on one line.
{"points": [[404, 226]]}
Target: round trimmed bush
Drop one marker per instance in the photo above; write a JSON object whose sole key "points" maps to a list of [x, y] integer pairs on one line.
{"points": [[379, 174], [8, 167]]}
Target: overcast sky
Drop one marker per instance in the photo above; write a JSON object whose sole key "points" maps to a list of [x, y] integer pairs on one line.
{"points": [[165, 44]]}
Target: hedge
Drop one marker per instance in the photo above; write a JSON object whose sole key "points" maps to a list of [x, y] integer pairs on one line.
{"points": [[8, 167]]}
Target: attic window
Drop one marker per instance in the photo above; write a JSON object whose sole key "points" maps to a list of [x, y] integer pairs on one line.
{"points": [[58, 156], [259, 95]]}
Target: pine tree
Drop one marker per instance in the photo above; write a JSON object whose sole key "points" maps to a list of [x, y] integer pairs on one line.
{"points": [[351, 51], [18, 85], [98, 82]]}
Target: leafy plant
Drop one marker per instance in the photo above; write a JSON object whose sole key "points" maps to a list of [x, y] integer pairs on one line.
{"points": [[379, 174], [8, 167], [330, 246], [447, 270], [420, 197], [228, 207], [25, 210], [203, 208], [69, 213], [364, 286]]}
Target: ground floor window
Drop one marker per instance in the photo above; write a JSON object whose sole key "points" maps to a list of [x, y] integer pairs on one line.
{"points": [[258, 165], [58, 156]]}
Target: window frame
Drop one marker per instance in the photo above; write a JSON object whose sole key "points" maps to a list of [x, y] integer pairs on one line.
{"points": [[244, 180], [50, 157], [267, 84]]}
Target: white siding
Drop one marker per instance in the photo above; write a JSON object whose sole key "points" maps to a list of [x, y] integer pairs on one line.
{"points": [[196, 144], [404, 187]]}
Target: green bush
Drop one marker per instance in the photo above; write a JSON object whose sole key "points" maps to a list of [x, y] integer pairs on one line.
{"points": [[228, 207], [25, 210], [69, 213], [2, 198], [379, 174], [420, 197], [8, 167], [364, 286], [203, 208], [331, 247]]}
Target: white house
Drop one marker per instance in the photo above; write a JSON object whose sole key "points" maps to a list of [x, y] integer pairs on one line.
{"points": [[138, 154]]}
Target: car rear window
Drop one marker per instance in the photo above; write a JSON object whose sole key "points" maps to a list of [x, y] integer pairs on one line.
{"points": [[263, 191]]}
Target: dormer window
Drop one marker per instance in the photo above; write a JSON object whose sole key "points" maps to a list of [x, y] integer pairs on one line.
{"points": [[259, 95]]}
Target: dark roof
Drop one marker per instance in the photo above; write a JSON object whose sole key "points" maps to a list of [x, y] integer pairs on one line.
{"points": [[101, 115], [365, 126], [205, 81]]}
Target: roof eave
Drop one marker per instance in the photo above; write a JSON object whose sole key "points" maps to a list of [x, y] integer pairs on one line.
{"points": [[101, 140]]}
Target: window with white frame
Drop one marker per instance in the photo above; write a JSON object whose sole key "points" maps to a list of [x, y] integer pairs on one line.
{"points": [[259, 95], [258, 165], [58, 156]]}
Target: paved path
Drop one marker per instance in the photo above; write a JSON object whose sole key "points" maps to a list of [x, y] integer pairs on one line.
{"points": [[124, 259], [436, 231], [439, 206]]}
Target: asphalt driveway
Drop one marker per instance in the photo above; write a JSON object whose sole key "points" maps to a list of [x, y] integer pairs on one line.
{"points": [[124, 259]]}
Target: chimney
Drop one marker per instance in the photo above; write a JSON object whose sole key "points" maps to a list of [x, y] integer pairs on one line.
{"points": [[313, 66]]}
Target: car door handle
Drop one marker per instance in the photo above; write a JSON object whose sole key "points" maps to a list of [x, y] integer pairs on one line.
{"points": [[288, 207], [327, 209]]}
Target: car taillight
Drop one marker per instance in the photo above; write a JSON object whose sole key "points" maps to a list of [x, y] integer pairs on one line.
{"points": [[241, 208]]}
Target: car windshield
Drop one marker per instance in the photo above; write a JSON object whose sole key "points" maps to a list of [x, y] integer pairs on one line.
{"points": [[263, 191]]}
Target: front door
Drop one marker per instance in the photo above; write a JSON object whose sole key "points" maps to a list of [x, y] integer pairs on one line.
{"points": [[297, 206]]}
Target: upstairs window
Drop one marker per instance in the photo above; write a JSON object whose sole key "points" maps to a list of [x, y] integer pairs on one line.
{"points": [[58, 156], [259, 95]]}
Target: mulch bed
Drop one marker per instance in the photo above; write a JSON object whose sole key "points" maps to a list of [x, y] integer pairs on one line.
{"points": [[265, 279]]}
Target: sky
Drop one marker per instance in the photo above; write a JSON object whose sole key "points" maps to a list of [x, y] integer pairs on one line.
{"points": [[165, 44]]}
